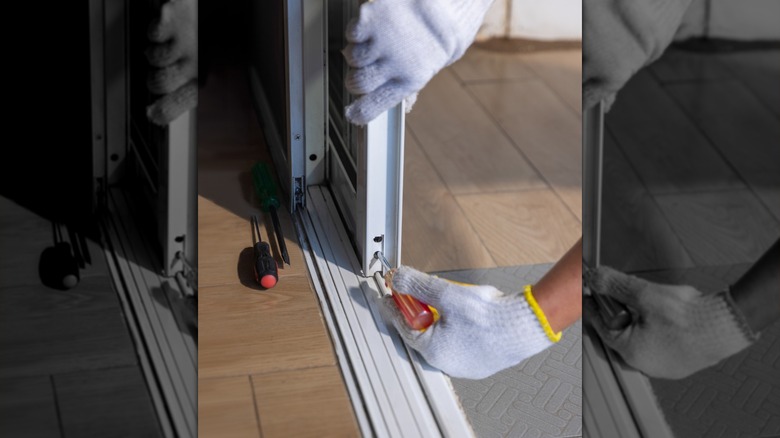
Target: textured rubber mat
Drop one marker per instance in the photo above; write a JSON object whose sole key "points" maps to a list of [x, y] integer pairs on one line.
{"points": [[541, 396], [739, 397]]}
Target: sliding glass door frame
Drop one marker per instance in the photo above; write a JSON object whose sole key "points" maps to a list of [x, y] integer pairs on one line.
{"points": [[153, 268], [371, 205]]}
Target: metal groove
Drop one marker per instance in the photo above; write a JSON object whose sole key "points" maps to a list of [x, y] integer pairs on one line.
{"points": [[170, 366], [400, 395]]}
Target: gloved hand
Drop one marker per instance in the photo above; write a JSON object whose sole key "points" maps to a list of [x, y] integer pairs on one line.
{"points": [[675, 330], [622, 36], [481, 330], [174, 58], [396, 46]]}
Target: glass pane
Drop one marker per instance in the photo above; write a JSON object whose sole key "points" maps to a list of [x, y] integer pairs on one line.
{"points": [[146, 138], [340, 131]]}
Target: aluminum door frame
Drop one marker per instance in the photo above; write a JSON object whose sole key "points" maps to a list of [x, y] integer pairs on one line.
{"points": [[301, 156], [299, 152], [177, 202], [98, 99], [394, 392], [380, 190], [169, 373]]}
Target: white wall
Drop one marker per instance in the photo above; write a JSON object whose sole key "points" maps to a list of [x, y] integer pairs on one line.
{"points": [[562, 19], [534, 19], [734, 19]]}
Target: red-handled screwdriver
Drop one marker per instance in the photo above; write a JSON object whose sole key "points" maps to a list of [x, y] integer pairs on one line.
{"points": [[418, 315], [266, 271], [615, 314]]}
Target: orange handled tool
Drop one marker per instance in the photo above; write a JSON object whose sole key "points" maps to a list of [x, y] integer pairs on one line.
{"points": [[418, 315], [615, 314], [266, 271]]}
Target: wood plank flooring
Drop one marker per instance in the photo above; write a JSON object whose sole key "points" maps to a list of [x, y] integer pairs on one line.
{"points": [[721, 228], [667, 151], [89, 405], [227, 408], [317, 392], [692, 165], [463, 143], [494, 133], [631, 214], [524, 228], [266, 365], [432, 214], [69, 366], [28, 407]]}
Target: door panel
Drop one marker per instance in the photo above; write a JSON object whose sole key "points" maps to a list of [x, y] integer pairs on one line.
{"points": [[361, 165], [368, 179]]}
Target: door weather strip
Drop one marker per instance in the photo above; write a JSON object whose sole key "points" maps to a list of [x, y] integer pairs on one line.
{"points": [[393, 392], [166, 350], [619, 399]]}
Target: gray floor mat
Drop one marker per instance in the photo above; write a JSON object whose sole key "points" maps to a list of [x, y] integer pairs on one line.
{"points": [[739, 397], [541, 396]]}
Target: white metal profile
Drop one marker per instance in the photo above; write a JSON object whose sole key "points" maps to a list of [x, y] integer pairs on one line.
{"points": [[380, 190], [142, 275], [393, 392], [304, 86], [177, 201]]}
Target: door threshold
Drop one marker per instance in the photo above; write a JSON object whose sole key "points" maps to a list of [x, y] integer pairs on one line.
{"points": [[619, 400], [393, 391], [152, 305]]}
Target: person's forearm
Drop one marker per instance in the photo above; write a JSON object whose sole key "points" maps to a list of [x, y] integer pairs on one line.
{"points": [[757, 293], [559, 292]]}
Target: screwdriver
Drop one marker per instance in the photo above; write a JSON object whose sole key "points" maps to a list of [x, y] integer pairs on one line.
{"points": [[266, 272], [418, 315], [58, 267], [614, 313], [266, 193]]}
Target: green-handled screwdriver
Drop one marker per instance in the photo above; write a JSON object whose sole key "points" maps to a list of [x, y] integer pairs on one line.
{"points": [[265, 188]]}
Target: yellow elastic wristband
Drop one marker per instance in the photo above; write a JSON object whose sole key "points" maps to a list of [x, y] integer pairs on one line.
{"points": [[555, 337]]}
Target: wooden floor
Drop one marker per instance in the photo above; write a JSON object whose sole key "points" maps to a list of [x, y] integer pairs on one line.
{"points": [[493, 162], [68, 365], [692, 163], [266, 365]]}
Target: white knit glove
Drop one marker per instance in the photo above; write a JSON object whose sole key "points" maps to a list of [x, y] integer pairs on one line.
{"points": [[396, 46], [675, 330], [174, 61], [622, 36], [481, 330]]}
